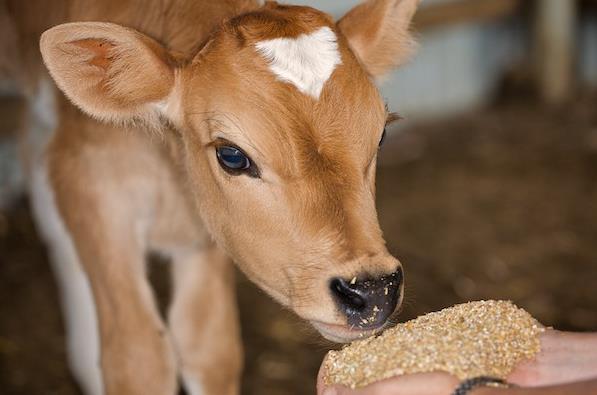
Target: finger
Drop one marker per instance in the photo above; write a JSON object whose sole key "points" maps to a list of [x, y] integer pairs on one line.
{"points": [[338, 390], [320, 376], [415, 384]]}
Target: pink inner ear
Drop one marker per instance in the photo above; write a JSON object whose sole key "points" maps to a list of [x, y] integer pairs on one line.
{"points": [[101, 50]]}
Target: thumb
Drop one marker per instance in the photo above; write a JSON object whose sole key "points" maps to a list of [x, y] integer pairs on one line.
{"points": [[337, 390]]}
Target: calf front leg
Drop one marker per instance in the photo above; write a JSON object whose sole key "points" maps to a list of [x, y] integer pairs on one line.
{"points": [[204, 322], [136, 353]]}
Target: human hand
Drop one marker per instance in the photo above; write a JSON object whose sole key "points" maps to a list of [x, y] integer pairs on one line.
{"points": [[414, 384], [565, 357]]}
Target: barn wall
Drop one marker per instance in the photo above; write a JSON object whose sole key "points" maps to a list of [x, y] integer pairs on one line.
{"points": [[588, 49]]}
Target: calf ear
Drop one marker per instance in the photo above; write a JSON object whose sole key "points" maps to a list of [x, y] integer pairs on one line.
{"points": [[378, 33], [109, 71]]}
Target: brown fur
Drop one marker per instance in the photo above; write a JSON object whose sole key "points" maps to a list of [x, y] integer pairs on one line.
{"points": [[189, 69]]}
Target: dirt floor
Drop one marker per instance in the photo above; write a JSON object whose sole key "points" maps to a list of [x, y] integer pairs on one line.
{"points": [[501, 204]]}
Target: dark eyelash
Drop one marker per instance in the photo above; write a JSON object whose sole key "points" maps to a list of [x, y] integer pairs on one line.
{"points": [[392, 117]]}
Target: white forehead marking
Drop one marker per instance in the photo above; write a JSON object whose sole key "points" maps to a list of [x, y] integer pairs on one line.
{"points": [[306, 61]]}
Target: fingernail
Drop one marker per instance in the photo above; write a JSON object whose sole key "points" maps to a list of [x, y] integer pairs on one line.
{"points": [[330, 391]]}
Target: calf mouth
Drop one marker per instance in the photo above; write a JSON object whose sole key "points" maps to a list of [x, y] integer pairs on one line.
{"points": [[346, 334]]}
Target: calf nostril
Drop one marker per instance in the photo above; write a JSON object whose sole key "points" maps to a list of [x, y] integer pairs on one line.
{"points": [[346, 295], [369, 302]]}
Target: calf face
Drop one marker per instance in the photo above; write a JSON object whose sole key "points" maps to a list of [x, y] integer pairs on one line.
{"points": [[280, 122]]}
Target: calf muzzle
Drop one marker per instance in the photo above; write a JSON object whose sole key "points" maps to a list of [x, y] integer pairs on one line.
{"points": [[367, 302]]}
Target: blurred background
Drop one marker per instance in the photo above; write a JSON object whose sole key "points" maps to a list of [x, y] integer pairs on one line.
{"points": [[486, 190]]}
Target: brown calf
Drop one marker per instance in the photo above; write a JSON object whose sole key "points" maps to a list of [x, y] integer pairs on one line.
{"points": [[218, 130]]}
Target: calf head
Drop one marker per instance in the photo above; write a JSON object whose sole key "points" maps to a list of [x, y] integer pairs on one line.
{"points": [[280, 122]]}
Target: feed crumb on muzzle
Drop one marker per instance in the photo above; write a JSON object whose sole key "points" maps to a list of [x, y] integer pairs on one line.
{"points": [[467, 340]]}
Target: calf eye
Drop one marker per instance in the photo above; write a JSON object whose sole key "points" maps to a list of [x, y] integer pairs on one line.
{"points": [[383, 137], [232, 158], [235, 162]]}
